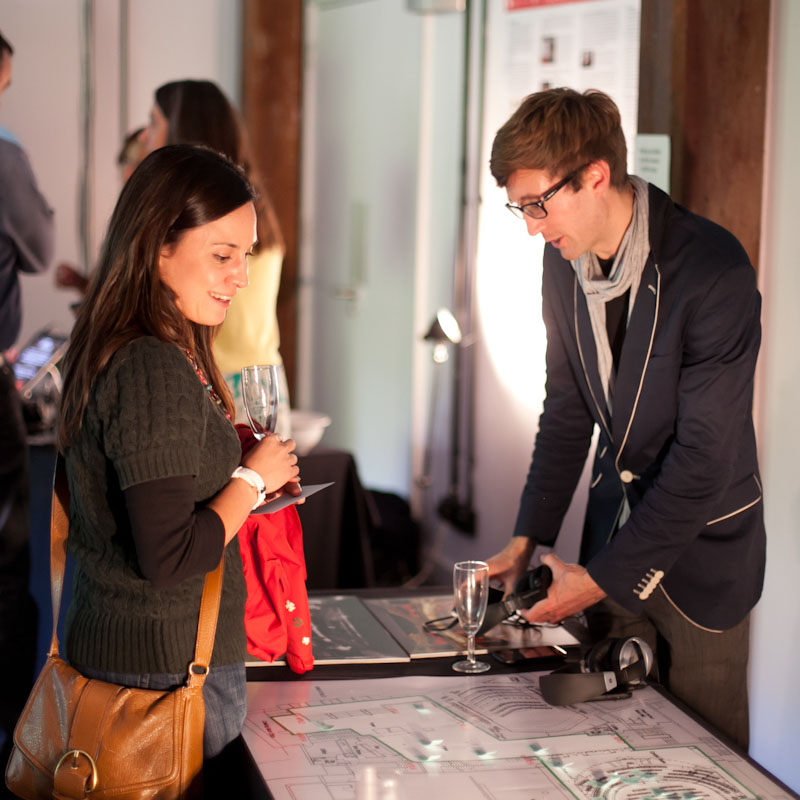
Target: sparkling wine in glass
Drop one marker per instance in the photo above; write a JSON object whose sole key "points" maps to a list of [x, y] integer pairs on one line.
{"points": [[471, 593], [260, 395]]}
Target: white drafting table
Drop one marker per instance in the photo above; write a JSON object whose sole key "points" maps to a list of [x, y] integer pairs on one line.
{"points": [[486, 737]]}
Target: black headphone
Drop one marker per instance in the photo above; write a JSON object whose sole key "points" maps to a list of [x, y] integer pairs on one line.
{"points": [[612, 666]]}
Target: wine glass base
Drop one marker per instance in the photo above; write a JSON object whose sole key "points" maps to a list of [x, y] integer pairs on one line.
{"points": [[471, 667]]}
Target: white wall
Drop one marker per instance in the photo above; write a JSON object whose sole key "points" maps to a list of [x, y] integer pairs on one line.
{"points": [[167, 41], [41, 109], [775, 664], [365, 155]]}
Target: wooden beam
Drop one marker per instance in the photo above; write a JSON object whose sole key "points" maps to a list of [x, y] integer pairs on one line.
{"points": [[703, 81], [271, 101]]}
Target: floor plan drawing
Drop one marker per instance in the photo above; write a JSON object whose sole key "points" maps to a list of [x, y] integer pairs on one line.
{"points": [[488, 736]]}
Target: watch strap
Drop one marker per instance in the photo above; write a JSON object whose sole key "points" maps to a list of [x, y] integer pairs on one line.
{"points": [[255, 480]]}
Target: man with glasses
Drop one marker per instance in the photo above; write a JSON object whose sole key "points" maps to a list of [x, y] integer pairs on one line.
{"points": [[653, 329]]}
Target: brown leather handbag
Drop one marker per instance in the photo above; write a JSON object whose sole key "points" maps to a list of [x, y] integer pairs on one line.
{"points": [[79, 738]]}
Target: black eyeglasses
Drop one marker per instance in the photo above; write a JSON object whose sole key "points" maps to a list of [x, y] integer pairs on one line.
{"points": [[516, 620], [536, 208]]}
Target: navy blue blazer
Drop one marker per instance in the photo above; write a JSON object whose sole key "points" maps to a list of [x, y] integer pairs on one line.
{"points": [[680, 444]]}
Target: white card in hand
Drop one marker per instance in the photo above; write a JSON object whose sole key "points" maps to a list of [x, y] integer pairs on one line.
{"points": [[289, 499]]}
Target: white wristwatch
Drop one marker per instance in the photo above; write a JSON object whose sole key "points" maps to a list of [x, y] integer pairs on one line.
{"points": [[255, 480]]}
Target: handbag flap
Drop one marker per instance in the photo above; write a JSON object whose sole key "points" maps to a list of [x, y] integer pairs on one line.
{"points": [[123, 740]]}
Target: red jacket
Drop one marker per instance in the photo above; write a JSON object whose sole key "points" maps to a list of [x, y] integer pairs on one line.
{"points": [[276, 616]]}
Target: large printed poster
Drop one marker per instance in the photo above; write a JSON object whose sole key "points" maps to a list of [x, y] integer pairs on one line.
{"points": [[588, 44]]}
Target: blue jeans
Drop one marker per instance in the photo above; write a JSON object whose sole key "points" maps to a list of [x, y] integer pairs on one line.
{"points": [[224, 694]]}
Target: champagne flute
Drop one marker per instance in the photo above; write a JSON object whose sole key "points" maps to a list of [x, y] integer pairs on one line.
{"points": [[471, 593], [260, 395]]}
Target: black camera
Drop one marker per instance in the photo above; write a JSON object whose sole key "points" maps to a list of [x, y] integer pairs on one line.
{"points": [[529, 589]]}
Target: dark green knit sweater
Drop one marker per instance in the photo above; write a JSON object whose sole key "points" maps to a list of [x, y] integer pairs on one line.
{"points": [[148, 417]]}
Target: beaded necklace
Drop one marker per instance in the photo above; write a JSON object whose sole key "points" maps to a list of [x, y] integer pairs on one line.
{"points": [[212, 395]]}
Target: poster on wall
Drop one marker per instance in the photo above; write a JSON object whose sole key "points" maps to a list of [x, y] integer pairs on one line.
{"points": [[583, 44]]}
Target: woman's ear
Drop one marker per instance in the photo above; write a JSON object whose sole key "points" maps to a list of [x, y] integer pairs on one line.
{"points": [[165, 254]]}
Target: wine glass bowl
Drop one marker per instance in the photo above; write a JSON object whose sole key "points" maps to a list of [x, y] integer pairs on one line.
{"points": [[470, 595], [260, 395]]}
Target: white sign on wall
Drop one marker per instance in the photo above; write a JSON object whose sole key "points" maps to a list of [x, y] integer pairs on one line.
{"points": [[652, 159]]}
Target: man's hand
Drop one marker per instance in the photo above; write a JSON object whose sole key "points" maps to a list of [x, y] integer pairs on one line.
{"points": [[511, 561], [571, 591]]}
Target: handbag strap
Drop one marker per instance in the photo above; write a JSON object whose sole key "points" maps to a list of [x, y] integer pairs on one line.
{"points": [[59, 528]]}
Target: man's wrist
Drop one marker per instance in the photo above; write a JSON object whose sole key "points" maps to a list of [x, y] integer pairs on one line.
{"points": [[522, 545]]}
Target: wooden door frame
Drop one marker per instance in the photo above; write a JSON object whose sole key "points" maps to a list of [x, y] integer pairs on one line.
{"points": [[703, 80]]}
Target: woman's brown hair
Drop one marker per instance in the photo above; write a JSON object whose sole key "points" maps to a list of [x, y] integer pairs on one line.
{"points": [[174, 189]]}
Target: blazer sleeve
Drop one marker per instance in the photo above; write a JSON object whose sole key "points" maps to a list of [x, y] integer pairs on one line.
{"points": [[715, 391]]}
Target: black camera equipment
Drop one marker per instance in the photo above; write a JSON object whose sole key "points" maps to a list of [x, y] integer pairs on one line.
{"points": [[529, 589]]}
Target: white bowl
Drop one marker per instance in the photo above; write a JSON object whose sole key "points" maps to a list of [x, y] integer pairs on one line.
{"points": [[307, 429]]}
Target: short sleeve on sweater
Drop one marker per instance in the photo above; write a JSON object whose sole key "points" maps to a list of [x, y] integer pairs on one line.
{"points": [[153, 412]]}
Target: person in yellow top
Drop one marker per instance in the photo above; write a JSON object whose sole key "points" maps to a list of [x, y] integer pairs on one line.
{"points": [[197, 112], [250, 333]]}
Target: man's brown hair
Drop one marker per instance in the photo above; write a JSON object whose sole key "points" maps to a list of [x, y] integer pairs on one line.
{"points": [[558, 131]]}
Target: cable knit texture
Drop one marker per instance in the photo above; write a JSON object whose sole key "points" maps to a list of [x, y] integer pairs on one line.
{"points": [[148, 417]]}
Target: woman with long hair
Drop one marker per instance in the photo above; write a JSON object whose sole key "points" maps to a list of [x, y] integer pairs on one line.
{"points": [[197, 112], [153, 459]]}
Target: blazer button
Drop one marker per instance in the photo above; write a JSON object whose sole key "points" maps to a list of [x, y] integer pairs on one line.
{"points": [[626, 476]]}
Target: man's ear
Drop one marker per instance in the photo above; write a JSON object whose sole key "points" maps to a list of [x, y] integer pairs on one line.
{"points": [[597, 176]]}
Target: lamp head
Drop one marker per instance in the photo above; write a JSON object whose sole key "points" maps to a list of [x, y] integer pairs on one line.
{"points": [[444, 330]]}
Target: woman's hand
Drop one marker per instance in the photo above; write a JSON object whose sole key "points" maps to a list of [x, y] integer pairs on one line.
{"points": [[274, 460]]}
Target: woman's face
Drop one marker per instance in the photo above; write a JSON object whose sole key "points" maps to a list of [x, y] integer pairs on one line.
{"points": [[208, 265], [157, 130]]}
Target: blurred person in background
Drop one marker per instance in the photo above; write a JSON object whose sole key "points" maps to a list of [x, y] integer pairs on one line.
{"points": [[26, 245], [68, 276]]}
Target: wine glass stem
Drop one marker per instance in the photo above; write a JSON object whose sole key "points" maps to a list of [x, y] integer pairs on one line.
{"points": [[471, 648]]}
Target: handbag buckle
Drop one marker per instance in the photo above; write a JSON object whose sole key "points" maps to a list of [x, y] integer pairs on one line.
{"points": [[75, 753]]}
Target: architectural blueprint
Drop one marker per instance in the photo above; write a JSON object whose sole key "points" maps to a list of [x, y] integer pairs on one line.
{"points": [[491, 737]]}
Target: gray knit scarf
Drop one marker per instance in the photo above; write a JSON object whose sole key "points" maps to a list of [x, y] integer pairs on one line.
{"points": [[625, 274]]}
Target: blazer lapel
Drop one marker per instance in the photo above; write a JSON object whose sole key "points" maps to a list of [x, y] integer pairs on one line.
{"points": [[587, 351], [635, 353]]}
